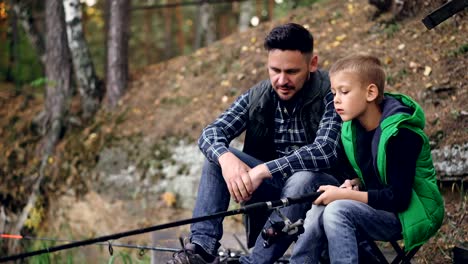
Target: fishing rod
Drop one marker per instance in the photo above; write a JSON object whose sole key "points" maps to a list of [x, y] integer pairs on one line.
{"points": [[260, 206], [109, 244]]}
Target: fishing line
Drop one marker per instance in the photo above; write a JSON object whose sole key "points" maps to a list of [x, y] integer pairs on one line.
{"points": [[260, 206]]}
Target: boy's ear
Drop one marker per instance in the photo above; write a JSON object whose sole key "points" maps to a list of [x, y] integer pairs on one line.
{"points": [[372, 92]]}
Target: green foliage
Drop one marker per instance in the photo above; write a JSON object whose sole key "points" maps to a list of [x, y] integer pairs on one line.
{"points": [[392, 79], [283, 9], [391, 29], [463, 49], [19, 61], [127, 258], [40, 82]]}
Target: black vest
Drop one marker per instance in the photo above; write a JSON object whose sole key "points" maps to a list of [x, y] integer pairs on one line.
{"points": [[259, 137]]}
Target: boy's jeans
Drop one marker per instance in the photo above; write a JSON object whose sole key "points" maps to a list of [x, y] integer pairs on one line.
{"points": [[213, 196], [338, 224]]}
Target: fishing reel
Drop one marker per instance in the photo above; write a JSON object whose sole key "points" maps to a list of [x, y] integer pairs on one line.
{"points": [[281, 229]]}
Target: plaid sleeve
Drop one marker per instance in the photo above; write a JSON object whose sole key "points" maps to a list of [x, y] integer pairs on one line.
{"points": [[321, 154], [215, 138]]}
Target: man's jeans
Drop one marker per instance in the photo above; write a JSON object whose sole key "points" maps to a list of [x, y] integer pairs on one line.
{"points": [[339, 224], [213, 196]]}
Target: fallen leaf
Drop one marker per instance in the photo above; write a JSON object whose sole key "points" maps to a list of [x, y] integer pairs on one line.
{"points": [[169, 199], [427, 71]]}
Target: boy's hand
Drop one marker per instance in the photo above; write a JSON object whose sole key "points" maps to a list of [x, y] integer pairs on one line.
{"points": [[351, 184], [236, 176], [330, 194]]}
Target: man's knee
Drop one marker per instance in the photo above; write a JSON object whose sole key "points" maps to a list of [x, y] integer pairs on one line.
{"points": [[307, 181]]}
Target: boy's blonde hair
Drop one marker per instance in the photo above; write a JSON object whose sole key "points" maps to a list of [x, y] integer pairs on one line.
{"points": [[368, 68]]}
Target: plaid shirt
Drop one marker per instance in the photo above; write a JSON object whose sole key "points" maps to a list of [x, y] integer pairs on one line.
{"points": [[290, 143]]}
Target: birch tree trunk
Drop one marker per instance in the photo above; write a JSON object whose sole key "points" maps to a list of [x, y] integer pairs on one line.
{"points": [[206, 25], [23, 12], [246, 12], [88, 84], [58, 72], [117, 50]]}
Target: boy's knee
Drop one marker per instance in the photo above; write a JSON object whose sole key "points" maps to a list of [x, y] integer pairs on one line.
{"points": [[336, 211]]}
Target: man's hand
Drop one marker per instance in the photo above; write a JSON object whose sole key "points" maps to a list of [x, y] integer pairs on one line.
{"points": [[258, 174], [351, 184], [235, 174]]}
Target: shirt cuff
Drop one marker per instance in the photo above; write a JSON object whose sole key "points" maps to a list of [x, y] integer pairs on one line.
{"points": [[279, 168], [216, 152]]}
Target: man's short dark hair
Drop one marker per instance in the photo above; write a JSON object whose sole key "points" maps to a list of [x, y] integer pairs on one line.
{"points": [[290, 36]]}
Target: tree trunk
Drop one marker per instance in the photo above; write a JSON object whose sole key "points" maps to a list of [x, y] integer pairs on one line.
{"points": [[88, 84], [271, 7], [58, 73], [27, 22], [168, 37], [400, 9], [206, 26], [12, 48], [197, 40], [246, 12], [148, 35], [208, 23], [382, 5], [117, 50], [180, 30]]}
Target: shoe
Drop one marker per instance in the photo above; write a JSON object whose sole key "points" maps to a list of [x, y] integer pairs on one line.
{"points": [[188, 256]]}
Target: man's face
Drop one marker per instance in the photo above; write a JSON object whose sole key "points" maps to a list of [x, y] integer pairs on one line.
{"points": [[289, 71]]}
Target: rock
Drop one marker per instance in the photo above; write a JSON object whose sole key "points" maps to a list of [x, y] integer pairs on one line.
{"points": [[451, 162]]}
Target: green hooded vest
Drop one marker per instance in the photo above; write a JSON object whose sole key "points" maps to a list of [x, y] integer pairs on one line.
{"points": [[425, 213]]}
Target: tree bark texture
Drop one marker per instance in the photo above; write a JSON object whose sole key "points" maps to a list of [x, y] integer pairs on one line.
{"points": [[205, 25], [246, 12], [168, 36], [382, 5], [148, 36], [402, 9], [117, 50], [180, 29], [23, 12], [58, 73], [88, 84], [271, 7]]}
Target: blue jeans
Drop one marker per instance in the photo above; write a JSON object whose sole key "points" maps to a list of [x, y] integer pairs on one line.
{"points": [[339, 224], [213, 196]]}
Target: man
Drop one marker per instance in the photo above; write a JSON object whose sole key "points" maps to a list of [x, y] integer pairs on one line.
{"points": [[291, 139]]}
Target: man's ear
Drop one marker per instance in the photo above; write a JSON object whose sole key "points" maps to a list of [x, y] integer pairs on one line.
{"points": [[313, 63], [372, 92]]}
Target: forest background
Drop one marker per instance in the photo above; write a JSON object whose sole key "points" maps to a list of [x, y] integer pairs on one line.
{"points": [[120, 144]]}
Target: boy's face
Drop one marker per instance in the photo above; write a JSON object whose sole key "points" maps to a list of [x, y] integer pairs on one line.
{"points": [[289, 71], [350, 96]]}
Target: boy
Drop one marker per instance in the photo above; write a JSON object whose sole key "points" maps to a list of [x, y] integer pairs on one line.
{"points": [[395, 194]]}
